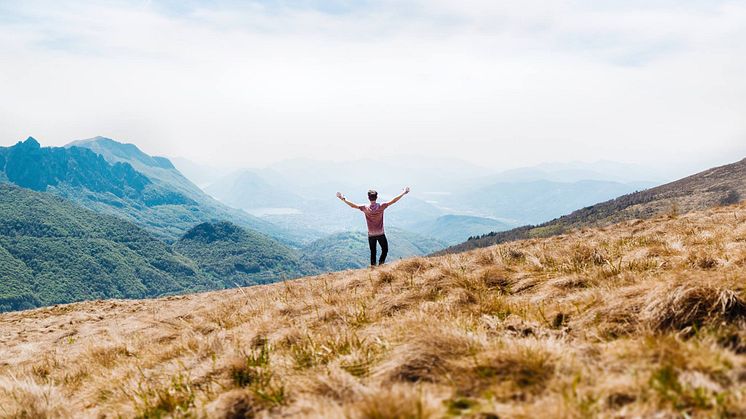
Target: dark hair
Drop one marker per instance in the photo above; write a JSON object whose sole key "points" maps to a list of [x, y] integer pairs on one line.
{"points": [[372, 195]]}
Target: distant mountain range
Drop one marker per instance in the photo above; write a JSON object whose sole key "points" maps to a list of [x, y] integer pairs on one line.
{"points": [[537, 201], [118, 179], [315, 213], [452, 229], [250, 191], [722, 185], [101, 219], [200, 174], [604, 170], [168, 219], [298, 194]]}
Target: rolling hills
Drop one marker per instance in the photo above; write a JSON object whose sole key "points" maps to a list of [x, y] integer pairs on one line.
{"points": [[722, 185], [52, 251], [646, 318], [238, 257]]}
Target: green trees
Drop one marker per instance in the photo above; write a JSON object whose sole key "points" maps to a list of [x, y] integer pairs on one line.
{"points": [[52, 251], [238, 257]]}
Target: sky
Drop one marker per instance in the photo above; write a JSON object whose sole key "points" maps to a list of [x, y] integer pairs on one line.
{"points": [[496, 83]]}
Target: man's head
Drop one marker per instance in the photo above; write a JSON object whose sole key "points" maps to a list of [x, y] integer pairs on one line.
{"points": [[372, 195]]}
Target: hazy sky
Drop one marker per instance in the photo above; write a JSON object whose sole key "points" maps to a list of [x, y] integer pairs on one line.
{"points": [[493, 82]]}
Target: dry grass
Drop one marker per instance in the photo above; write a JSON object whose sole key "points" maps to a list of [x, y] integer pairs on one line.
{"points": [[645, 318]]}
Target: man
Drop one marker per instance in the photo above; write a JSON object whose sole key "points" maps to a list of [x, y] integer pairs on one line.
{"points": [[374, 218]]}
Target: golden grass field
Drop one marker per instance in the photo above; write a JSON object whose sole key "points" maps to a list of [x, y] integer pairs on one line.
{"points": [[641, 319]]}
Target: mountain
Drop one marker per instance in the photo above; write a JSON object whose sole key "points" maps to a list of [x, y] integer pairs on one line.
{"points": [[238, 257], [52, 251], [201, 175], [452, 229], [642, 319], [321, 217], [297, 194], [28, 165], [722, 185], [569, 172], [540, 200], [311, 215], [350, 250], [168, 219], [249, 190]]}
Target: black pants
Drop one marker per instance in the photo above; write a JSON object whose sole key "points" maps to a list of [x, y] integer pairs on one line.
{"points": [[384, 248]]}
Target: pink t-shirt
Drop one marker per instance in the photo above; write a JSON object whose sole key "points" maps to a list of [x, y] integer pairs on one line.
{"points": [[374, 218]]}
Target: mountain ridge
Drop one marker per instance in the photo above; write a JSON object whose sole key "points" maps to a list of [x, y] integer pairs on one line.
{"points": [[168, 205], [722, 185]]}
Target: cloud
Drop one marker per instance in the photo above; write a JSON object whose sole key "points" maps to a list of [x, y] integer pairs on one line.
{"points": [[498, 83]]}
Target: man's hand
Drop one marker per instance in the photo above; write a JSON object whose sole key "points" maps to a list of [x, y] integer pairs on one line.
{"points": [[406, 190], [340, 196]]}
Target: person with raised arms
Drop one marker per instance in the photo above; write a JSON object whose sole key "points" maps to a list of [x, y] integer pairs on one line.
{"points": [[374, 218]]}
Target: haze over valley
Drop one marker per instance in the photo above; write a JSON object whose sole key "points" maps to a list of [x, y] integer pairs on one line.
{"points": [[451, 199]]}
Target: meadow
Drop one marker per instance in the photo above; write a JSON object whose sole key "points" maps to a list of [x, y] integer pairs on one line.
{"points": [[642, 318]]}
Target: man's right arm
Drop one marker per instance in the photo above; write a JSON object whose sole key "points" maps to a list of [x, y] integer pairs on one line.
{"points": [[351, 204]]}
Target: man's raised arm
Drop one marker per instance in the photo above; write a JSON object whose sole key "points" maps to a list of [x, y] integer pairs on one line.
{"points": [[351, 204], [398, 197]]}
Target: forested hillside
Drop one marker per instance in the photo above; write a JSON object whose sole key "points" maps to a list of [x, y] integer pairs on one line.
{"points": [[238, 257], [52, 251]]}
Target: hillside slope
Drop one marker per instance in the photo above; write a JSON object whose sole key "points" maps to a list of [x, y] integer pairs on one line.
{"points": [[540, 200], [642, 319], [169, 220], [54, 252], [722, 185], [238, 257]]}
